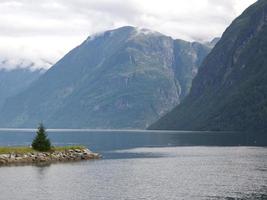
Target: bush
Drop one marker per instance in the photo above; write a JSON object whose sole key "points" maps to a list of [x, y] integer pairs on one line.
{"points": [[41, 142]]}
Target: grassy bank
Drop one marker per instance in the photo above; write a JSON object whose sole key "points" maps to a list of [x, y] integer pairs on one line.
{"points": [[24, 150]]}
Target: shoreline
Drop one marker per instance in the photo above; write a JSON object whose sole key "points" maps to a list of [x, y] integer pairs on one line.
{"points": [[27, 156]]}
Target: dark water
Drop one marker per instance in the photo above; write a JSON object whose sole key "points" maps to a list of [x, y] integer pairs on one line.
{"points": [[143, 165]]}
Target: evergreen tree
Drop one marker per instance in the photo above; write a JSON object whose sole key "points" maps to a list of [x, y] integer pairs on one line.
{"points": [[41, 142]]}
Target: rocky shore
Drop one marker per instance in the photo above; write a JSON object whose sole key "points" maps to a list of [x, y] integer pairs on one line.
{"points": [[47, 157]]}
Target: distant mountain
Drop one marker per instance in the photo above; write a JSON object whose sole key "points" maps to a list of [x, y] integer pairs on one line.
{"points": [[14, 81], [230, 90], [213, 42], [123, 78]]}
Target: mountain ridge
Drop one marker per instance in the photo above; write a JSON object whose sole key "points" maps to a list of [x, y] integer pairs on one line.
{"points": [[229, 92], [122, 78]]}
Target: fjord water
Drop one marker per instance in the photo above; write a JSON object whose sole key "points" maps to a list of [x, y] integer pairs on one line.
{"points": [[142, 165]]}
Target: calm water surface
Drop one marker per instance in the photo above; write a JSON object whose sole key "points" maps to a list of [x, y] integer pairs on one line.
{"points": [[141, 165]]}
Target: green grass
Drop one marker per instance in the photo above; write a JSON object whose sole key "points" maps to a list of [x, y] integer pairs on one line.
{"points": [[24, 150]]}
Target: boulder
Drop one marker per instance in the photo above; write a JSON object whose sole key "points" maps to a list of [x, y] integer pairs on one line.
{"points": [[77, 150]]}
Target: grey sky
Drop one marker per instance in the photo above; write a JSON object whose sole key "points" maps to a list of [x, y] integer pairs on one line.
{"points": [[44, 31]]}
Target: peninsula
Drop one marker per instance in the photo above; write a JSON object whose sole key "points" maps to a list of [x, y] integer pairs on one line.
{"points": [[27, 155], [42, 152]]}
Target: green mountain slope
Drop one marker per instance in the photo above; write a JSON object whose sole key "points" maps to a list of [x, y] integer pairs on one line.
{"points": [[230, 90], [14, 81], [123, 78]]}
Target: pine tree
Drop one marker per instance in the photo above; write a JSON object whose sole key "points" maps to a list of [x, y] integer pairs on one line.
{"points": [[41, 142]]}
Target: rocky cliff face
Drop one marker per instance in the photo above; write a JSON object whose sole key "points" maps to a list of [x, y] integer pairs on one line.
{"points": [[123, 78], [230, 90]]}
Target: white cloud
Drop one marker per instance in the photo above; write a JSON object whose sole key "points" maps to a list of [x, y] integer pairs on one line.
{"points": [[42, 31]]}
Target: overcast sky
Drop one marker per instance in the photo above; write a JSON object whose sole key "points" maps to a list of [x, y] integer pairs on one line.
{"points": [[44, 30]]}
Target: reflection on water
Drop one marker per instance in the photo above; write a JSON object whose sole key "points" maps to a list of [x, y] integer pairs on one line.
{"points": [[149, 166], [177, 173]]}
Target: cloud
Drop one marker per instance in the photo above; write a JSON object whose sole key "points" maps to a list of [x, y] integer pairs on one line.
{"points": [[41, 31]]}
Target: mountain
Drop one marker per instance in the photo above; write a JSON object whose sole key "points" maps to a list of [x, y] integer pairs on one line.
{"points": [[123, 78], [14, 81], [213, 42], [230, 90]]}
